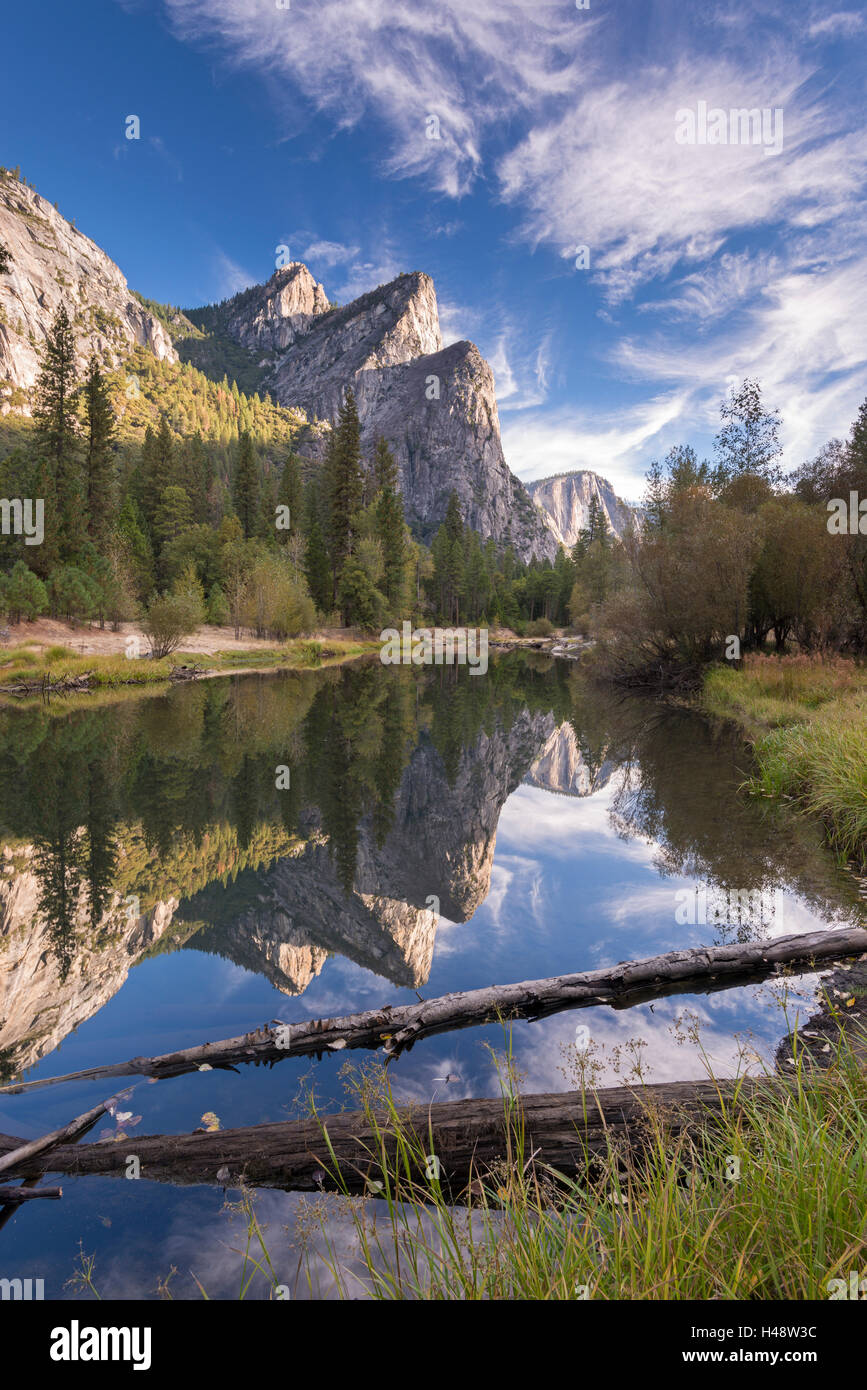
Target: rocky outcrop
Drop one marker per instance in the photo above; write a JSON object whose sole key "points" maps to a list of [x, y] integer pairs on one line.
{"points": [[272, 317], [53, 263], [435, 406], [439, 415], [565, 500]]}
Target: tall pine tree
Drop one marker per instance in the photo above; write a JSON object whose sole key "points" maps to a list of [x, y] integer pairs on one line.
{"points": [[317, 569], [99, 426], [390, 524], [345, 485], [57, 437], [246, 494], [289, 494]]}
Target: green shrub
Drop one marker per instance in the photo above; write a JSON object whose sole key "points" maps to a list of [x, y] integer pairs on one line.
{"points": [[170, 619]]}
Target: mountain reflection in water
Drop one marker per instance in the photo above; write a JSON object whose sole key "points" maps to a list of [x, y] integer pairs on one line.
{"points": [[153, 823]]}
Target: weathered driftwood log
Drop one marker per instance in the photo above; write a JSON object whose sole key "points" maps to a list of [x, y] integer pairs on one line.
{"points": [[28, 1194], [19, 1158], [564, 1131], [701, 970], [46, 685]]}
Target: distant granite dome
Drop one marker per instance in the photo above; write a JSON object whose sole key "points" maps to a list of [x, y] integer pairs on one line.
{"points": [[564, 501]]}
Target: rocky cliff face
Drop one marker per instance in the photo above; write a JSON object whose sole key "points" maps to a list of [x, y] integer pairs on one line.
{"points": [[565, 503], [52, 262], [272, 317], [435, 406]]}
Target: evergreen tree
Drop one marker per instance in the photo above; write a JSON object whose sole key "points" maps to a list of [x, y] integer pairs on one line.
{"points": [[164, 461], [156, 470], [390, 524], [99, 428], [449, 565], [173, 515], [196, 475], [246, 492], [345, 486], [289, 494], [137, 546], [57, 439], [317, 569]]}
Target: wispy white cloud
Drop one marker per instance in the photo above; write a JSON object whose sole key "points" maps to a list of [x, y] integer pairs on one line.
{"points": [[617, 444], [609, 173], [401, 62], [361, 276], [528, 97], [329, 252], [229, 276], [458, 322], [802, 336], [843, 22]]}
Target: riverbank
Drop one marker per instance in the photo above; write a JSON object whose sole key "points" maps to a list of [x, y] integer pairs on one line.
{"points": [[806, 718], [64, 660]]}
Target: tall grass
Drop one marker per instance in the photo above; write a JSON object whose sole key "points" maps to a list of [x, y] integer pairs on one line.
{"points": [[807, 718], [667, 1222]]}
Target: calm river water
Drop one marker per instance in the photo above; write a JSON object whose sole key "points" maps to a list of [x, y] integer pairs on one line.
{"points": [[430, 832]]}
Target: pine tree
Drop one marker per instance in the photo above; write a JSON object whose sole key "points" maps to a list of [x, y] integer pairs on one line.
{"points": [[156, 469], [173, 515], [390, 524], [317, 569], [345, 486], [384, 467], [453, 521], [196, 473], [137, 546], [164, 462], [246, 493], [57, 439], [289, 494], [449, 566], [99, 427]]}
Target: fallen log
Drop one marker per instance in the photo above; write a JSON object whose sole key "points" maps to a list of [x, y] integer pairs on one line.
{"points": [[701, 970], [66, 685], [28, 1194], [565, 1131], [35, 1148]]}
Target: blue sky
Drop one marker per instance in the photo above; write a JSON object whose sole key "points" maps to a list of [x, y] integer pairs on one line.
{"points": [[307, 122]]}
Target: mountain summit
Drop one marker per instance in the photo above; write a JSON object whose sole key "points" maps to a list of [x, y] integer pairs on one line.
{"points": [[435, 405]]}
